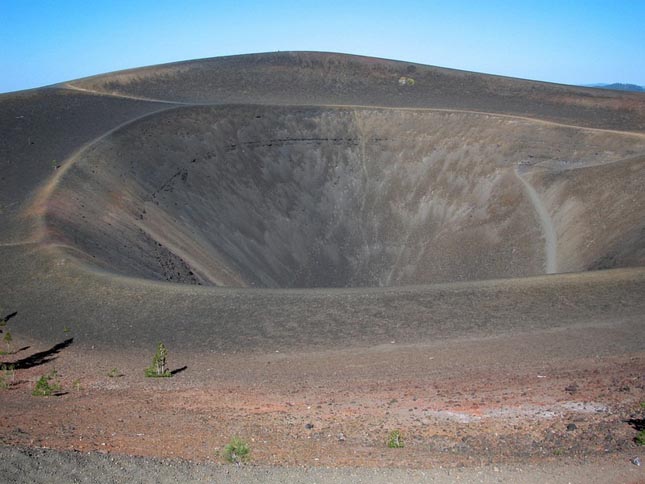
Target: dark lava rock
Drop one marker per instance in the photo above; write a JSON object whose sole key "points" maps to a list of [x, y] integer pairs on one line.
{"points": [[571, 427], [573, 388]]}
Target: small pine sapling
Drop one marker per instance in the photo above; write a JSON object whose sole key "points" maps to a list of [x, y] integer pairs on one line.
{"points": [[45, 387], [158, 368], [8, 339], [7, 376], [395, 440], [7, 335], [114, 373], [640, 438], [237, 451]]}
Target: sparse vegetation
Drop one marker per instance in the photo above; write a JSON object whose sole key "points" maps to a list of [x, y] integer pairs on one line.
{"points": [[8, 339], [76, 385], [7, 376], [237, 451], [114, 373], [47, 385], [158, 368], [395, 440], [640, 438]]}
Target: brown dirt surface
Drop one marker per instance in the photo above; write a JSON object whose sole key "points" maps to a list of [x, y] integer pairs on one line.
{"points": [[336, 408]]}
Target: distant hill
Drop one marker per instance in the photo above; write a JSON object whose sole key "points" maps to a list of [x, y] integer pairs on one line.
{"points": [[617, 86]]}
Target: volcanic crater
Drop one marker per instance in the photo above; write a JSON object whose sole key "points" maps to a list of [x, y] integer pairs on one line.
{"points": [[303, 197], [375, 236]]}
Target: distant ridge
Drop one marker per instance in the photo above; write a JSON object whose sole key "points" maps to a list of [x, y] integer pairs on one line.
{"points": [[320, 78], [617, 86]]}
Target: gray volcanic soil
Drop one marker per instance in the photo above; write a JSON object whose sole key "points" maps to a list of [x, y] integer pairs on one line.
{"points": [[424, 214], [314, 78], [310, 197], [50, 467]]}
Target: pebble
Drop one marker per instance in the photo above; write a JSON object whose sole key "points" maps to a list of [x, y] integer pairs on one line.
{"points": [[636, 461], [571, 427]]}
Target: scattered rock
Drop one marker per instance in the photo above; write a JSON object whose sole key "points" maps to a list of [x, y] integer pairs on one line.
{"points": [[406, 81], [573, 388], [636, 461], [309, 426], [571, 427], [341, 437]]}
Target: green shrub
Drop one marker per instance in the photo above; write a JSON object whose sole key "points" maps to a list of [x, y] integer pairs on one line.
{"points": [[7, 376], [236, 451], [158, 368], [8, 339], [46, 386], [395, 440], [114, 373], [640, 438]]}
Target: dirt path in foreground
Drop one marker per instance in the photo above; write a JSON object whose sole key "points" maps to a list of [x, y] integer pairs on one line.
{"points": [[54, 467]]}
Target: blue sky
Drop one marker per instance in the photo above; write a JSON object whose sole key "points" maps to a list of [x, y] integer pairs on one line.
{"points": [[574, 42]]}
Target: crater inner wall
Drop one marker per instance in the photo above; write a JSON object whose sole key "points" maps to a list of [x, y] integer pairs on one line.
{"points": [[253, 196]]}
